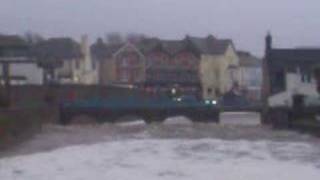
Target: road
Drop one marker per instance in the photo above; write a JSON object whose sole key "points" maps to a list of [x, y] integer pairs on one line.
{"points": [[239, 148]]}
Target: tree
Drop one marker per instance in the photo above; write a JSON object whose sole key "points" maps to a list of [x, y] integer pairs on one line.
{"points": [[135, 37], [51, 54], [114, 38], [32, 37]]}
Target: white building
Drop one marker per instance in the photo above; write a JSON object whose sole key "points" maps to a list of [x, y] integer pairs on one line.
{"points": [[250, 75], [295, 83], [22, 74], [79, 70], [289, 72]]}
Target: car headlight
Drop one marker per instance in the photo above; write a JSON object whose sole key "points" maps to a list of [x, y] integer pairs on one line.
{"points": [[207, 101], [214, 102]]}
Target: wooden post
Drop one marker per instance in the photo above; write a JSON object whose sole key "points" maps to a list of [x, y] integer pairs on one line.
{"points": [[6, 79], [6, 74], [316, 73]]}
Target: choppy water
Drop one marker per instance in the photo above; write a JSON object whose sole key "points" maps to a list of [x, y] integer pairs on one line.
{"points": [[233, 127]]}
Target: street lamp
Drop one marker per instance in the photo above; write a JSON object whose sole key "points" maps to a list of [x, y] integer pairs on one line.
{"points": [[173, 91]]}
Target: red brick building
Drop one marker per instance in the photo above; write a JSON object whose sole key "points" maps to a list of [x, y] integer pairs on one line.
{"points": [[152, 64], [129, 65], [171, 65]]}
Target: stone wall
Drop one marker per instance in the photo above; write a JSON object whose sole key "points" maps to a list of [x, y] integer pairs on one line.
{"points": [[49, 98], [42, 96]]}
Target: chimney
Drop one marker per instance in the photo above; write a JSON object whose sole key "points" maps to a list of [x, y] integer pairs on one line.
{"points": [[86, 52], [268, 43]]}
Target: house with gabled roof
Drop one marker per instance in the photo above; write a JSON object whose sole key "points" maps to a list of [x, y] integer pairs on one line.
{"points": [[153, 64], [102, 55], [66, 61], [119, 64], [12, 50], [172, 64], [288, 72], [218, 66], [205, 67], [250, 76]]}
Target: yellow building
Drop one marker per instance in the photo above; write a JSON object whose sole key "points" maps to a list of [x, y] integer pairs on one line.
{"points": [[218, 67], [216, 64]]}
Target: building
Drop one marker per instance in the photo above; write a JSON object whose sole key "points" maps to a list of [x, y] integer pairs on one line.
{"points": [[102, 55], [152, 64], [14, 50], [205, 67], [129, 65], [119, 64], [66, 61], [218, 65], [288, 72], [172, 65], [250, 76]]}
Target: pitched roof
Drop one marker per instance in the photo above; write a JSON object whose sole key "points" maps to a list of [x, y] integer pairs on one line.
{"points": [[148, 44], [296, 54], [57, 48], [12, 41], [210, 44], [294, 57], [101, 50], [248, 60], [173, 46]]}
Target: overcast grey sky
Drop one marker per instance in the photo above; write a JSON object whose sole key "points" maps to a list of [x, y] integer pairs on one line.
{"points": [[292, 22]]}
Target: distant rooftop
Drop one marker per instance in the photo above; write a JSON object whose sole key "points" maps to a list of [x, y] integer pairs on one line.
{"points": [[57, 48], [247, 59], [206, 45], [12, 41], [210, 44]]}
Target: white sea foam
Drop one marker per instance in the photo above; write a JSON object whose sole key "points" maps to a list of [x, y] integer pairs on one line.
{"points": [[174, 159]]}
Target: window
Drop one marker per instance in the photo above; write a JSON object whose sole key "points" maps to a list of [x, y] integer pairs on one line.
{"points": [[124, 62], [217, 91], [94, 64], [136, 75], [209, 90], [305, 77], [278, 81], [77, 64], [124, 76]]}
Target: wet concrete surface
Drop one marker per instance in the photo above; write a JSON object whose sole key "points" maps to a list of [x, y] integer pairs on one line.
{"points": [[233, 126]]}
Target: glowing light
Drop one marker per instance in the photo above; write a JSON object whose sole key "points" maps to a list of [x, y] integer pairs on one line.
{"points": [[173, 91]]}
